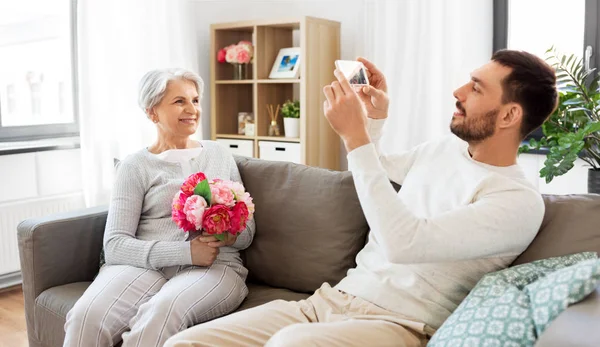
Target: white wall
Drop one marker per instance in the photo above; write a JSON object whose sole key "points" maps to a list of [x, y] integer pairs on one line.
{"points": [[573, 182]]}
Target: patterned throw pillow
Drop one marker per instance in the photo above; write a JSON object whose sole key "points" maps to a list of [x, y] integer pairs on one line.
{"points": [[551, 295], [497, 311]]}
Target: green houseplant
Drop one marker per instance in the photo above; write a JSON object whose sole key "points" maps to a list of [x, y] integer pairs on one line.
{"points": [[291, 118], [573, 130]]}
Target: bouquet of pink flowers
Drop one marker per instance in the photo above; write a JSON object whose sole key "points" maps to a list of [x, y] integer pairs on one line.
{"points": [[216, 207], [241, 53]]}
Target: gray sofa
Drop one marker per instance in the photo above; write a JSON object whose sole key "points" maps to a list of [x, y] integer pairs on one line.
{"points": [[309, 228]]}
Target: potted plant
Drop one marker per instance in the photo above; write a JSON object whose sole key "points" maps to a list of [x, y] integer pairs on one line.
{"points": [[573, 130], [291, 118], [239, 55]]}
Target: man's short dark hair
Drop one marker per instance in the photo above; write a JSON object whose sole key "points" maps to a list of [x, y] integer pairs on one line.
{"points": [[531, 84]]}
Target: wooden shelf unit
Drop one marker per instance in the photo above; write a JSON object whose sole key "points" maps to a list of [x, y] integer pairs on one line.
{"points": [[319, 42]]}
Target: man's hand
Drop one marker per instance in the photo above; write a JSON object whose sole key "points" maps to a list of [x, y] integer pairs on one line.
{"points": [[345, 112], [374, 96]]}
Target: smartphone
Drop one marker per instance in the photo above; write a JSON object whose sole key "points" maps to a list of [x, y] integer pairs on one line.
{"points": [[354, 71]]}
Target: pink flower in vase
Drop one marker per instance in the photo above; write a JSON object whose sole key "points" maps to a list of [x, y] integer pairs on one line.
{"points": [[221, 55], [216, 220], [243, 56], [194, 209], [231, 55]]}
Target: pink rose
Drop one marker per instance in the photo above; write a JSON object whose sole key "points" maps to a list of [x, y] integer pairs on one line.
{"points": [[191, 182], [194, 209], [221, 55], [246, 44], [238, 216], [178, 201], [221, 193], [231, 55], [243, 57], [238, 189], [247, 199], [216, 220]]}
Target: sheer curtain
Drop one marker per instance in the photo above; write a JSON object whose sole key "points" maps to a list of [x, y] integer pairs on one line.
{"points": [[118, 41], [426, 48]]}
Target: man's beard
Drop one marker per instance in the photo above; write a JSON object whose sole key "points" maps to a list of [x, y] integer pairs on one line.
{"points": [[475, 129]]}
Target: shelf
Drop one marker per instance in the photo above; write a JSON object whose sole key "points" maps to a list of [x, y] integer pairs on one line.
{"points": [[278, 139], [295, 80], [234, 136], [234, 82]]}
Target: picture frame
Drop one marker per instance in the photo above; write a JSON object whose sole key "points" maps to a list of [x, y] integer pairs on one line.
{"points": [[287, 63]]}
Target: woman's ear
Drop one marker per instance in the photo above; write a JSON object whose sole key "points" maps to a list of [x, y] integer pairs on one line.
{"points": [[152, 115]]}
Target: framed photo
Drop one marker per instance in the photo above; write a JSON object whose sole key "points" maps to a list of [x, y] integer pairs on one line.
{"points": [[287, 63]]}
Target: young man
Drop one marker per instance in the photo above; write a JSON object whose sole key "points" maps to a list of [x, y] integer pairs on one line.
{"points": [[465, 209]]}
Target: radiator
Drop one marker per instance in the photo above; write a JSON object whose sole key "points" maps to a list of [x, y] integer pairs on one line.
{"points": [[12, 213]]}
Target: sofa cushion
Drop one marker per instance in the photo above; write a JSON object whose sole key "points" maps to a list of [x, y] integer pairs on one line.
{"points": [[497, 312], [551, 295], [261, 294], [51, 308], [571, 224], [309, 224]]}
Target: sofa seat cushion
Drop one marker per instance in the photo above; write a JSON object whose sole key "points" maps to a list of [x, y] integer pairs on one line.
{"points": [[261, 294], [309, 224], [571, 224], [51, 308]]}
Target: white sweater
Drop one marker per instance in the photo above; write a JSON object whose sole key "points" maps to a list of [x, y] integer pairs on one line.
{"points": [[454, 220]]}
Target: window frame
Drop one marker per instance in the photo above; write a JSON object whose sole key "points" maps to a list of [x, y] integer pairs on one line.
{"points": [[50, 131], [591, 37]]}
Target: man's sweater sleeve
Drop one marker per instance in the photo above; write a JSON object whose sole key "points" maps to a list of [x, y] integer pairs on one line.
{"points": [[498, 224], [395, 165], [120, 242]]}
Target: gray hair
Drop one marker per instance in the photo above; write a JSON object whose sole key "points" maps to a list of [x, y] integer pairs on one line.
{"points": [[154, 84]]}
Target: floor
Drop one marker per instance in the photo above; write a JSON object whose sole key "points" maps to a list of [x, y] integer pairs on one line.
{"points": [[13, 332]]}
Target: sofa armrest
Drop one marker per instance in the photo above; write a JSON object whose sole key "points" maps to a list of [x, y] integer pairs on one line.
{"points": [[59, 249], [577, 326]]}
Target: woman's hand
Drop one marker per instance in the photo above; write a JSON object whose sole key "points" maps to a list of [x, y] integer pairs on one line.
{"points": [[212, 241], [202, 253]]}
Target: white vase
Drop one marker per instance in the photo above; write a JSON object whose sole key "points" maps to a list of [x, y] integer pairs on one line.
{"points": [[291, 127]]}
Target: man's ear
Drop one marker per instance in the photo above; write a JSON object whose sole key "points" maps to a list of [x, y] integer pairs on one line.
{"points": [[512, 116]]}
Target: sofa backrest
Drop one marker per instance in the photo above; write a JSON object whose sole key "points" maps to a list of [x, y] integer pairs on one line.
{"points": [[571, 224], [309, 224]]}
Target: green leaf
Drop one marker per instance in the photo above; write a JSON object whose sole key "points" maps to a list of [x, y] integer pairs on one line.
{"points": [[574, 101], [203, 189], [220, 237], [591, 128]]}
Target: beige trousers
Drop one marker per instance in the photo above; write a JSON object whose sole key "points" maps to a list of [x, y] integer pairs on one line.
{"points": [[327, 318]]}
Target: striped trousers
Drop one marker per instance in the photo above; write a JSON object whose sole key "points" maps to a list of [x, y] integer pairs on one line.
{"points": [[144, 307]]}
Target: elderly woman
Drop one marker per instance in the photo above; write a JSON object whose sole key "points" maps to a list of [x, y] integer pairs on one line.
{"points": [[157, 280]]}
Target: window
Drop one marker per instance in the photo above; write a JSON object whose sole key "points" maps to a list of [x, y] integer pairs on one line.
{"points": [[37, 69], [571, 26]]}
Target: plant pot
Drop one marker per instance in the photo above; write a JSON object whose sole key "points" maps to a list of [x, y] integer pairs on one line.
{"points": [[240, 71], [594, 181], [291, 127]]}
